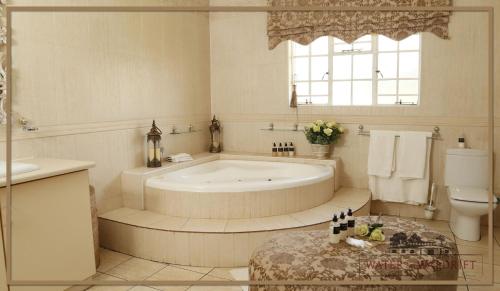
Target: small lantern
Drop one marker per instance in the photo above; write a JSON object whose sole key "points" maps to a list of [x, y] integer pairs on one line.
{"points": [[215, 145], [154, 147]]}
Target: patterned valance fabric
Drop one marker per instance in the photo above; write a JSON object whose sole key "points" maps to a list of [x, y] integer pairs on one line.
{"points": [[305, 26]]}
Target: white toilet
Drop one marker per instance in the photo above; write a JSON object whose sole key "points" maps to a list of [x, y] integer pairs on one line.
{"points": [[466, 178]]}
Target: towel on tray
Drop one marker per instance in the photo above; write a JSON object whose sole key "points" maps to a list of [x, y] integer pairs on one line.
{"points": [[381, 153], [182, 157]]}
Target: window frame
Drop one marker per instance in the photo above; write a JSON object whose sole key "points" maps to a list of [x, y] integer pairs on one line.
{"points": [[374, 78]]}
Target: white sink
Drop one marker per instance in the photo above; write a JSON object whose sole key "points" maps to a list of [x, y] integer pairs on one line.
{"points": [[17, 168]]}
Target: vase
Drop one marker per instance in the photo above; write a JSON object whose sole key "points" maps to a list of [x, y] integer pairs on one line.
{"points": [[321, 151]]}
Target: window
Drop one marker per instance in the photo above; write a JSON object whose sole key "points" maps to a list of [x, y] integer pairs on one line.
{"points": [[373, 70]]}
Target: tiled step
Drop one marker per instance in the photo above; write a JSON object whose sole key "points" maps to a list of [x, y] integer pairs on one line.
{"points": [[213, 242]]}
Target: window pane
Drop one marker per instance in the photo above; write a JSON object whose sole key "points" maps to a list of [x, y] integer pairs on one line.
{"points": [[364, 46], [410, 43], [300, 50], [386, 44], [340, 48], [409, 99], [408, 65], [367, 37], [387, 87], [319, 99], [387, 64], [341, 93], [302, 99], [302, 88], [301, 69], [362, 92], [339, 41], [319, 68], [319, 88], [387, 100], [362, 66], [320, 46], [341, 67], [408, 87]]}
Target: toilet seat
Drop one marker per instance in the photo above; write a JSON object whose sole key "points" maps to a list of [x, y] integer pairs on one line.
{"points": [[469, 194]]}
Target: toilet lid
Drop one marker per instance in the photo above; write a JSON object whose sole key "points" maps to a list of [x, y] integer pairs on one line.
{"points": [[469, 194]]}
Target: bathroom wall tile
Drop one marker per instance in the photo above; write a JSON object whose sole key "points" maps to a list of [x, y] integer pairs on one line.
{"points": [[143, 218], [211, 250], [196, 241], [206, 225], [170, 223], [136, 269], [226, 250], [378, 207], [118, 214], [242, 251], [181, 248]]}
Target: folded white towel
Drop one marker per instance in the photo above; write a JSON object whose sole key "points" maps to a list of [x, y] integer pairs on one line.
{"points": [[182, 157], [396, 189], [381, 153], [412, 154]]}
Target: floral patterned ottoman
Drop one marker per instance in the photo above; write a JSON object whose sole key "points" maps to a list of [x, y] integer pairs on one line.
{"points": [[410, 252]]}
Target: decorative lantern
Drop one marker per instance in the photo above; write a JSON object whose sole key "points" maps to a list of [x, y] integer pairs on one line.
{"points": [[215, 145], [154, 147]]}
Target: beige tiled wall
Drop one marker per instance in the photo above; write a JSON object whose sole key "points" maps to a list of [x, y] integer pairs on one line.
{"points": [[93, 82], [250, 89]]}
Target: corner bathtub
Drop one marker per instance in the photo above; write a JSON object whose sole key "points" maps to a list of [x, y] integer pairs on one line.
{"points": [[239, 189]]}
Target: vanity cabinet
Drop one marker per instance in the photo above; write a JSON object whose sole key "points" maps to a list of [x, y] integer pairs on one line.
{"points": [[51, 227]]}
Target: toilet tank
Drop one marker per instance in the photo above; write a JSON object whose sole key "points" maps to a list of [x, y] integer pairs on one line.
{"points": [[466, 167]]}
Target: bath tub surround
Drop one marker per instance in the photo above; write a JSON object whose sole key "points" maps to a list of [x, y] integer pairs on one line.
{"points": [[230, 179], [239, 189]]}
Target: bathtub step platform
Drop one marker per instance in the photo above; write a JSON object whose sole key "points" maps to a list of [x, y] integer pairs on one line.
{"points": [[213, 242]]}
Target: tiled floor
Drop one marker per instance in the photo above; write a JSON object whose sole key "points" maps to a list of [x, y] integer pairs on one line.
{"points": [[121, 267]]}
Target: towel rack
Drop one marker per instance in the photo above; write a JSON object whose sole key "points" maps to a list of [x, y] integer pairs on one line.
{"points": [[436, 135]]}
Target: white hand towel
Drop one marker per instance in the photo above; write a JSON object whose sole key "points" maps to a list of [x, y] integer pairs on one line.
{"points": [[412, 154], [381, 153], [396, 189]]}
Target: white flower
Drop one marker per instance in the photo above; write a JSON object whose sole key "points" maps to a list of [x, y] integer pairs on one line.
{"points": [[331, 124], [328, 131], [316, 128], [319, 122]]}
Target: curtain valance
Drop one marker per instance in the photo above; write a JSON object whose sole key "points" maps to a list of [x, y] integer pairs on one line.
{"points": [[305, 26]]}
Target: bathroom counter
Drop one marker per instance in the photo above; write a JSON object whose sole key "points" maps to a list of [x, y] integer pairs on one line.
{"points": [[48, 168]]}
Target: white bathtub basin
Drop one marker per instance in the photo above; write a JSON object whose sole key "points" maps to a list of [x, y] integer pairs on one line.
{"points": [[241, 176], [17, 168]]}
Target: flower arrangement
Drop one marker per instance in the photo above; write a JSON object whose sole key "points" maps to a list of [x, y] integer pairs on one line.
{"points": [[373, 231], [323, 133]]}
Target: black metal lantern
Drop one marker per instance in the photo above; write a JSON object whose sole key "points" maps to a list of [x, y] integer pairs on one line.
{"points": [[154, 147], [215, 144]]}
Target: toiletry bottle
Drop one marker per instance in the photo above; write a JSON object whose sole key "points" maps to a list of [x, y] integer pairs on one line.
{"points": [[351, 223], [334, 218], [285, 150], [280, 150], [335, 230], [291, 150], [343, 226], [461, 142], [275, 150]]}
